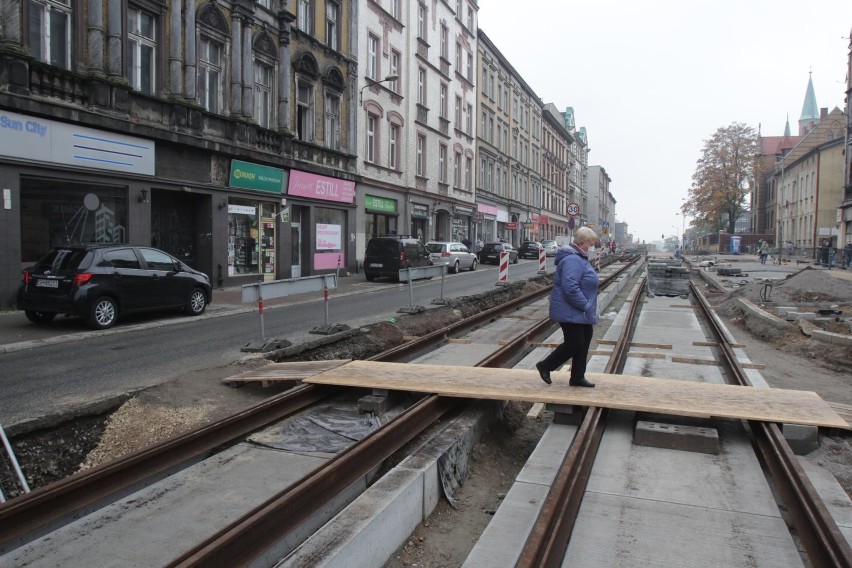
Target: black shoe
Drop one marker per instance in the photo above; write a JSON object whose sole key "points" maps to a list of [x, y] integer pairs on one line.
{"points": [[543, 373], [581, 382]]}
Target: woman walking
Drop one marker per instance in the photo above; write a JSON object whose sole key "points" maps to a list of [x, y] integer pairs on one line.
{"points": [[574, 304]]}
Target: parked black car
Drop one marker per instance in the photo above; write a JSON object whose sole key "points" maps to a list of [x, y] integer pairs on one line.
{"points": [[490, 253], [529, 249], [101, 282], [387, 254]]}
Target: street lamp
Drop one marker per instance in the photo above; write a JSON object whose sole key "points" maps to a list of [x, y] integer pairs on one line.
{"points": [[370, 83]]}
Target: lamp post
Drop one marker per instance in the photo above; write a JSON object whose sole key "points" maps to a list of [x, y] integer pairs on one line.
{"points": [[370, 83]]}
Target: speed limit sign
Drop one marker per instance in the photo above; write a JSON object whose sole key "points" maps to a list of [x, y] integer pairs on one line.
{"points": [[573, 209]]}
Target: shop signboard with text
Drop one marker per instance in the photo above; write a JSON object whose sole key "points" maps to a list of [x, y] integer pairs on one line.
{"points": [[328, 237], [313, 186], [255, 176], [380, 204]]}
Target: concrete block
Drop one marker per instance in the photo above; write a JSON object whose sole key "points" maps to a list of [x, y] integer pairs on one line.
{"points": [[784, 310], [807, 316], [570, 414], [676, 437], [378, 405], [802, 439]]}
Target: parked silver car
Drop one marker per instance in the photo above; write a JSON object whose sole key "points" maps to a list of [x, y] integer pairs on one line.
{"points": [[455, 255], [550, 247]]}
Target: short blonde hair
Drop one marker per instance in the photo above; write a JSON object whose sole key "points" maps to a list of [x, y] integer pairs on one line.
{"points": [[585, 235]]}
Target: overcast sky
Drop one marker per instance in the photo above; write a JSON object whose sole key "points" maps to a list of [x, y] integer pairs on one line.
{"points": [[652, 80]]}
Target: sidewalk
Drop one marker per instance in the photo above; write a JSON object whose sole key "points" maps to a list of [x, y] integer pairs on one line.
{"points": [[17, 333]]}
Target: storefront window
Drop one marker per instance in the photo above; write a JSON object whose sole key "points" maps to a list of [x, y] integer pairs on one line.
{"points": [[251, 238], [62, 213]]}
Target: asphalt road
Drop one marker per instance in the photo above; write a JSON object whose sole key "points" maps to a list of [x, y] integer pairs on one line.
{"points": [[56, 368]]}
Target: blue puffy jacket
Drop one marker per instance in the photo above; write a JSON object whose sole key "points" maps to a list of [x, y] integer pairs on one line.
{"points": [[574, 298]]}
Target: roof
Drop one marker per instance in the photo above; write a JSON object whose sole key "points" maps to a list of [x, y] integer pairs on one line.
{"points": [[810, 111]]}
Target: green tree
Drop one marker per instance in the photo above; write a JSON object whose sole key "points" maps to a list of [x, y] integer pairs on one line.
{"points": [[723, 177]]}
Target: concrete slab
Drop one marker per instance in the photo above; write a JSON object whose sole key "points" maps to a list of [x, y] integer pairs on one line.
{"points": [[503, 539], [152, 527], [628, 532], [833, 495], [542, 464], [676, 437], [459, 354], [687, 478]]}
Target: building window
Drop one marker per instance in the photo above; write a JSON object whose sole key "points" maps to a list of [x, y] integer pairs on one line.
{"points": [[458, 112], [484, 123], [421, 155], [444, 95], [393, 147], [373, 57], [469, 124], [210, 75], [263, 94], [458, 57], [372, 122], [470, 67], [459, 9], [457, 167], [303, 15], [50, 32], [141, 47], [332, 121], [332, 30], [442, 163], [468, 171], [470, 18], [304, 110], [394, 9], [394, 70], [445, 48], [421, 21], [421, 86], [484, 81]]}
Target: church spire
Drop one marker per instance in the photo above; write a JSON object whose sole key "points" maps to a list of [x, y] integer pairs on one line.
{"points": [[787, 127], [810, 110]]}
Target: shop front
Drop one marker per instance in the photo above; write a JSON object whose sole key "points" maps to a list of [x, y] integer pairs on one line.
{"points": [[252, 217], [321, 211], [65, 184], [462, 226], [487, 227], [419, 220]]}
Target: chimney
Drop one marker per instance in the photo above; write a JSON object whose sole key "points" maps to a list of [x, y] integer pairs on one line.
{"points": [[823, 113]]}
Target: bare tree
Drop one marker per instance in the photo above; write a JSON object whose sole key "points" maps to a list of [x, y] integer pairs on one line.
{"points": [[723, 177]]}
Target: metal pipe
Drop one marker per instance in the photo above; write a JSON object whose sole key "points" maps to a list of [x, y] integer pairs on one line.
{"points": [[13, 459]]}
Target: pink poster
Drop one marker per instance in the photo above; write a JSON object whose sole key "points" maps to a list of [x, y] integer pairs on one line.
{"points": [[303, 184], [329, 260]]}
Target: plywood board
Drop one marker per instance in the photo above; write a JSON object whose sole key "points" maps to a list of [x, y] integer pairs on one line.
{"points": [[627, 392], [291, 371]]}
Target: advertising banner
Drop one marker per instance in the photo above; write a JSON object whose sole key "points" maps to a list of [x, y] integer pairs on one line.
{"points": [[328, 237], [313, 186]]}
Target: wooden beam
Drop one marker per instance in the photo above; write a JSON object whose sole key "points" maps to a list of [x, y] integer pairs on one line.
{"points": [[644, 394]]}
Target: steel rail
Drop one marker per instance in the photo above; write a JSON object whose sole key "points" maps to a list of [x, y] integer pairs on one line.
{"points": [[548, 540], [824, 544], [36, 512]]}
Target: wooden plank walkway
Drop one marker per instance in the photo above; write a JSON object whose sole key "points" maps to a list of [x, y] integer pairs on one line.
{"points": [[626, 392]]}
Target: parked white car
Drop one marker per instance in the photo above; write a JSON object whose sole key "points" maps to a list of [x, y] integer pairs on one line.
{"points": [[455, 255], [550, 247]]}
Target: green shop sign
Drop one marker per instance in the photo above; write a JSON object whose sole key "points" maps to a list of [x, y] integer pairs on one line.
{"points": [[255, 176], [381, 204]]}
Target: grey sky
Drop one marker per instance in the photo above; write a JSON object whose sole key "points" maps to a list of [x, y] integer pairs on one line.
{"points": [[652, 80]]}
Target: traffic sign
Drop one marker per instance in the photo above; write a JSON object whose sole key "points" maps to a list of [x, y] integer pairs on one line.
{"points": [[573, 209]]}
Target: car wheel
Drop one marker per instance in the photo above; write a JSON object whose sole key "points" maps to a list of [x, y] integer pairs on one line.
{"points": [[473, 265], [39, 317], [197, 302], [103, 313], [456, 268]]}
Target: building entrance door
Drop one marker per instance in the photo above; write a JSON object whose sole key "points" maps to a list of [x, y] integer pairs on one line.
{"points": [[296, 244]]}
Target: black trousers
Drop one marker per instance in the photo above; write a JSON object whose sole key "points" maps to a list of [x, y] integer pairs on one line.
{"points": [[577, 337]]}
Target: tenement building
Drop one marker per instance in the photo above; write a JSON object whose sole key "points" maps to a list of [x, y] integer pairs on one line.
{"points": [[508, 194], [222, 132], [416, 83]]}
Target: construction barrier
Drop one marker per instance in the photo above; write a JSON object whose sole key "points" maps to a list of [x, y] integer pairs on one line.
{"points": [[542, 261], [503, 274]]}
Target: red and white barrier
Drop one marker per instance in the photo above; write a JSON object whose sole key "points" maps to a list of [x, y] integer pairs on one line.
{"points": [[542, 261], [503, 275]]}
